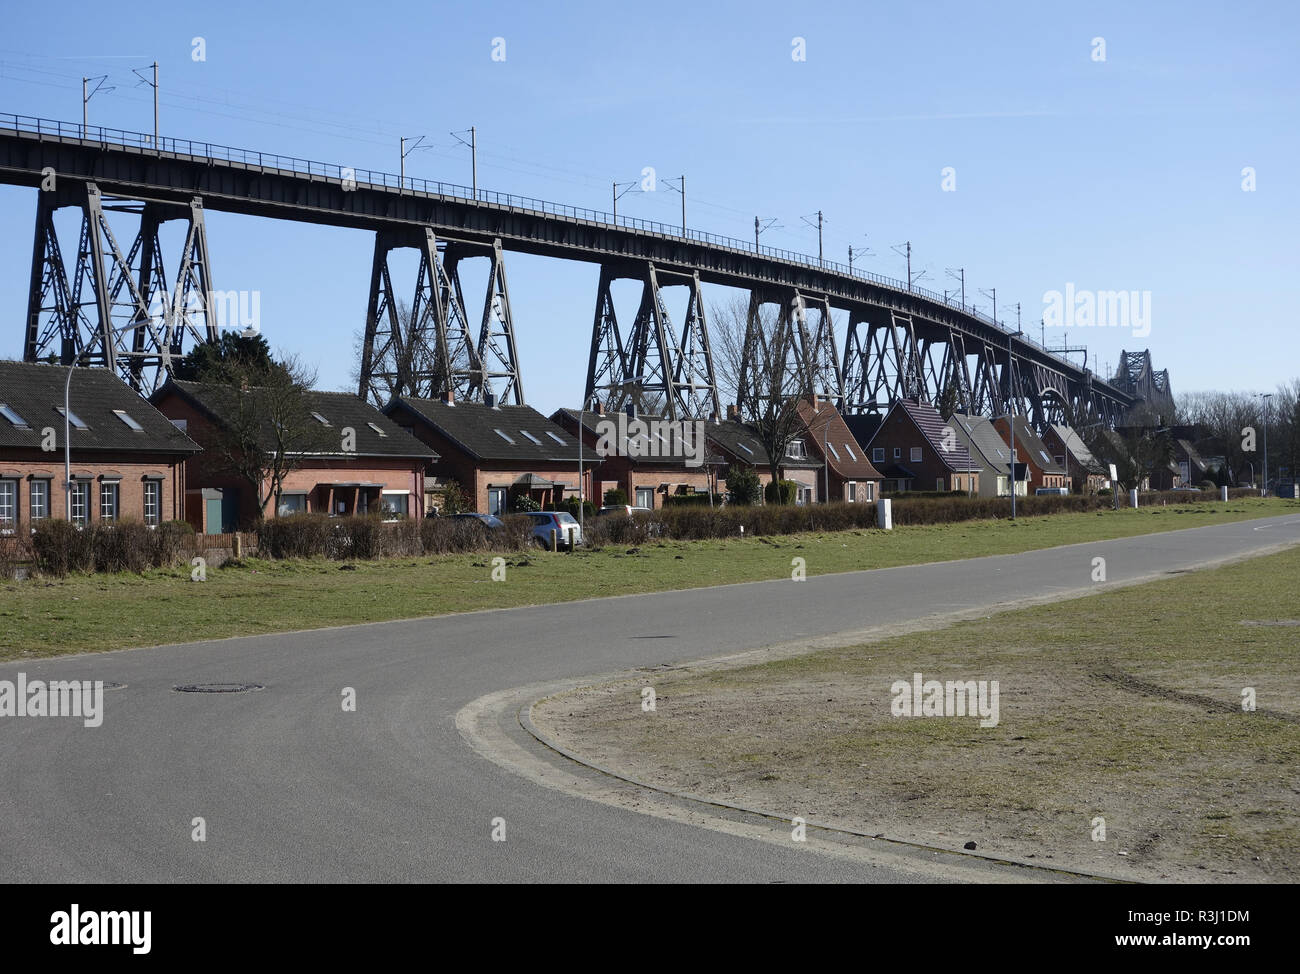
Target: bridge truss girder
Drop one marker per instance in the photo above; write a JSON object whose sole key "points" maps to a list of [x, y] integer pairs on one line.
{"points": [[890, 355], [118, 310], [655, 360], [430, 349], [808, 359]]}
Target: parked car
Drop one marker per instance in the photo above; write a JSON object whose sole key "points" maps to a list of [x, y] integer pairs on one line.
{"points": [[487, 520], [568, 532], [1053, 491], [1190, 490], [627, 509]]}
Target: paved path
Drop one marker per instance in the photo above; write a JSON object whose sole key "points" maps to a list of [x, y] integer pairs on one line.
{"points": [[294, 789]]}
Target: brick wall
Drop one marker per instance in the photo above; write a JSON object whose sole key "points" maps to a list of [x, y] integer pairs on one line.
{"points": [[129, 471]]}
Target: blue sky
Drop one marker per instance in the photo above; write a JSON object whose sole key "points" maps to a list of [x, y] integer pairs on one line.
{"points": [[1116, 174]]}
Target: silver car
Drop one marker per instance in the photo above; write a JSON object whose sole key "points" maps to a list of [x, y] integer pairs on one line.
{"points": [[568, 532]]}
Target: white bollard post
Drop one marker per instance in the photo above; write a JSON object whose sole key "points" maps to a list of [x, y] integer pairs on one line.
{"points": [[1223, 493], [1133, 498], [884, 514]]}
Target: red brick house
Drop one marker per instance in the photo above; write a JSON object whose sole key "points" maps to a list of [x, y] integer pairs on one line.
{"points": [[846, 475], [128, 460], [914, 449], [661, 469], [1084, 472], [355, 461], [495, 453], [1042, 468]]}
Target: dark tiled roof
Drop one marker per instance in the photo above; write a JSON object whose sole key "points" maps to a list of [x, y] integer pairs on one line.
{"points": [[927, 419], [33, 391], [340, 409], [863, 426], [740, 440], [846, 456], [473, 427], [978, 433], [1027, 441], [591, 421]]}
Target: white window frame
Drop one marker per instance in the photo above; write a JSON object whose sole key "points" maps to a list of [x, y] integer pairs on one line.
{"points": [[389, 515], [80, 490], [110, 513], [279, 512], [504, 494], [915, 455], [877, 454], [8, 521], [152, 492], [44, 506]]}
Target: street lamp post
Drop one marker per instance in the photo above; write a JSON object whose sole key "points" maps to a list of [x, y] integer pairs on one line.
{"points": [[1011, 406], [1266, 396]]}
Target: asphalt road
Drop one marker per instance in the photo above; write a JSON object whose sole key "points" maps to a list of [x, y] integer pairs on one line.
{"points": [[292, 788]]}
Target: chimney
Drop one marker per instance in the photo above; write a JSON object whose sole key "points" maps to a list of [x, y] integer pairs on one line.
{"points": [[631, 410], [449, 397], [733, 413], [490, 399]]}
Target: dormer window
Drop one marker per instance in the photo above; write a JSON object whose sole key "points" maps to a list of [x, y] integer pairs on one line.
{"points": [[8, 413], [321, 419], [131, 423], [72, 418], [796, 450]]}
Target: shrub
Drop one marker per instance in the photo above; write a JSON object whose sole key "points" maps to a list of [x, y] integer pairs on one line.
{"points": [[454, 500], [781, 492], [693, 500], [614, 497], [523, 502], [13, 552], [59, 548], [743, 485]]}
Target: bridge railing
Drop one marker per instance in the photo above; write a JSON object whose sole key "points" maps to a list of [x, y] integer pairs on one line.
{"points": [[292, 165]]}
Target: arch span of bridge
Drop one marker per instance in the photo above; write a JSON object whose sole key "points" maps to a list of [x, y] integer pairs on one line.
{"points": [[116, 306]]}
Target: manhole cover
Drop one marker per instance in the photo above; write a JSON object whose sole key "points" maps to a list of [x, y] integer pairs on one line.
{"points": [[218, 687]]}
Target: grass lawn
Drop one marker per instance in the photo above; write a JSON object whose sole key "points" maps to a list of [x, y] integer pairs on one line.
{"points": [[1124, 706], [40, 617]]}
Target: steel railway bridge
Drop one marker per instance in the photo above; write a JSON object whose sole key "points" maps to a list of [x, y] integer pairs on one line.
{"points": [[117, 307]]}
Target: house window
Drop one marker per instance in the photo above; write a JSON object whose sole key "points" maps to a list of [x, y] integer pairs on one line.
{"points": [[529, 436], [1004, 489], [938, 485], [916, 454], [152, 502], [878, 454], [108, 500], [80, 503], [1060, 461], [320, 419], [555, 438], [8, 506], [834, 452], [795, 450], [40, 508], [294, 503], [377, 429], [851, 453], [504, 436], [645, 497], [496, 500], [394, 505], [871, 492], [898, 453], [853, 492]]}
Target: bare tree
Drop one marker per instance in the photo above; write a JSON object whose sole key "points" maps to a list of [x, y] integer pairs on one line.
{"points": [[264, 425], [754, 365]]}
